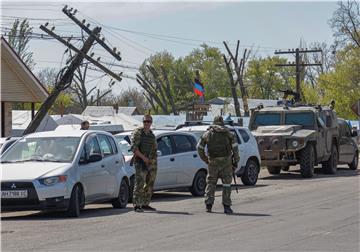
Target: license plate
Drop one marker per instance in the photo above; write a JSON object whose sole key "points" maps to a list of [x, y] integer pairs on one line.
{"points": [[16, 194]]}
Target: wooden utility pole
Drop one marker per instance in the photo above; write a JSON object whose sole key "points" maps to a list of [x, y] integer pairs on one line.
{"points": [[67, 73], [298, 65]]}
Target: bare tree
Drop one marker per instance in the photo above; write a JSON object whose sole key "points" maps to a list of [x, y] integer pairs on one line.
{"points": [[19, 38], [346, 23], [238, 67]]}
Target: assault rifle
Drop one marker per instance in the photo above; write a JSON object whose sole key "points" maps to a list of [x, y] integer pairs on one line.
{"points": [[234, 167]]}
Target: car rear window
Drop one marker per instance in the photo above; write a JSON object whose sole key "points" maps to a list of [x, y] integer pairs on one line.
{"points": [[244, 135], [182, 144]]}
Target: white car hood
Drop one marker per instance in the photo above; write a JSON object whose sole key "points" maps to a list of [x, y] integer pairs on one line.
{"points": [[30, 170]]}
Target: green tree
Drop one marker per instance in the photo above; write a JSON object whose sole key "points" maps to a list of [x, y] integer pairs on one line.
{"points": [[19, 38], [264, 79], [209, 61], [343, 84]]}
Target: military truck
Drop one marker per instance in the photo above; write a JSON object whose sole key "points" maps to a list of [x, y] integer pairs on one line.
{"points": [[298, 134]]}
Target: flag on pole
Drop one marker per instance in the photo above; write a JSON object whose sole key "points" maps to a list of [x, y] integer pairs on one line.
{"points": [[199, 88]]}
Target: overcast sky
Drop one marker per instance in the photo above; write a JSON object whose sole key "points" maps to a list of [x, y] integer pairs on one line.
{"points": [[139, 29]]}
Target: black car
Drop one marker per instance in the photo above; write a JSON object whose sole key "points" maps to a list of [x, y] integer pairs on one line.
{"points": [[348, 148]]}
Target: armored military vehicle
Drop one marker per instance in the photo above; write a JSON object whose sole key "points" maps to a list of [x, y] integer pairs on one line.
{"points": [[298, 134]]}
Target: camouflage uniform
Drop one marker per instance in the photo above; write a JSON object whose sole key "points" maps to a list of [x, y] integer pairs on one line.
{"points": [[220, 162], [144, 175]]}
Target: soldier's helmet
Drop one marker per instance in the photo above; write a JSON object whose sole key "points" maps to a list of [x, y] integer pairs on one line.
{"points": [[218, 120]]}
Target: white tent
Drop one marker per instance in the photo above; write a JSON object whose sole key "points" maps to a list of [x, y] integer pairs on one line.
{"points": [[22, 118]]}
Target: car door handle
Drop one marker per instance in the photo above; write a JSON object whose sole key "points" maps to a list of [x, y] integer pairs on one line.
{"points": [[117, 161], [102, 166], [195, 155], [172, 159]]}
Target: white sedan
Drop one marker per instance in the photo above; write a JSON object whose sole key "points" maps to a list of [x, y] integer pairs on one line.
{"points": [[179, 165], [249, 166], [63, 170]]}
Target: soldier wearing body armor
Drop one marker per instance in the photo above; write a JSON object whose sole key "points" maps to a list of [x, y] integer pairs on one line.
{"points": [[223, 154], [144, 148]]}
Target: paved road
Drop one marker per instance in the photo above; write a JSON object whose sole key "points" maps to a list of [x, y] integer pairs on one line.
{"points": [[282, 213]]}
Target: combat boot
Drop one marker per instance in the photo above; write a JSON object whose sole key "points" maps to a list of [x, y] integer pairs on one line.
{"points": [[147, 207], [208, 208], [228, 210], [138, 209]]}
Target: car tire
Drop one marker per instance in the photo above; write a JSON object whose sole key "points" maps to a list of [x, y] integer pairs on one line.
{"points": [[131, 189], [76, 201], [199, 184], [354, 164], [274, 170], [251, 173], [307, 161], [123, 197], [330, 166], [285, 168]]}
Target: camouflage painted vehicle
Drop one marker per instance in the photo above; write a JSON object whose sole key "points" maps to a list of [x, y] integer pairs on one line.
{"points": [[303, 134]]}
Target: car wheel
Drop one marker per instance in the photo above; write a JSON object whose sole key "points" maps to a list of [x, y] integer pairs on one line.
{"points": [[330, 166], [274, 170], [285, 168], [122, 199], [354, 164], [76, 201], [199, 184], [131, 189], [307, 161], [251, 173]]}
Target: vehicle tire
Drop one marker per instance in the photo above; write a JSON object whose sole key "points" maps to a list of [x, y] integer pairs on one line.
{"points": [[274, 170], [307, 161], [354, 164], [131, 189], [199, 184], [330, 166], [123, 198], [285, 168], [251, 173], [76, 201]]}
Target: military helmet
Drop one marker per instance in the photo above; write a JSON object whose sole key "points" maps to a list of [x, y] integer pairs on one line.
{"points": [[218, 120]]}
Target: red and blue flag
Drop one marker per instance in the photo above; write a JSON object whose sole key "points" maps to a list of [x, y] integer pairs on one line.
{"points": [[199, 88]]}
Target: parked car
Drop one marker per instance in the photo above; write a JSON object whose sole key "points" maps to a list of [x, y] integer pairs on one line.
{"points": [[179, 165], [63, 171], [348, 148], [249, 166]]}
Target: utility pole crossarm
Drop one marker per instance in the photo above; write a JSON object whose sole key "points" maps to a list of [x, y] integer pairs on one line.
{"points": [[88, 31], [96, 63]]}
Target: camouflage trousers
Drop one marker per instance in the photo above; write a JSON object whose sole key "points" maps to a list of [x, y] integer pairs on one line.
{"points": [[220, 167], [144, 183]]}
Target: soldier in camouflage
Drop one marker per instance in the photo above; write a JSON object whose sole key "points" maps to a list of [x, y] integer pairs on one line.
{"points": [[144, 148], [223, 154]]}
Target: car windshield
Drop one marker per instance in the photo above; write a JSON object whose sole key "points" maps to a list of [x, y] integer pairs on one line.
{"points": [[124, 144], [45, 149], [267, 119], [304, 119]]}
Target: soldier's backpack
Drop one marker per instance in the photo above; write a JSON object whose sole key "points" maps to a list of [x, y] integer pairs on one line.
{"points": [[218, 144]]}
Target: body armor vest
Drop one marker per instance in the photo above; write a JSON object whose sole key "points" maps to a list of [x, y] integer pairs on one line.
{"points": [[146, 143], [218, 144]]}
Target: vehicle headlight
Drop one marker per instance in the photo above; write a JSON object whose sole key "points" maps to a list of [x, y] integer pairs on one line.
{"points": [[295, 143], [53, 180]]}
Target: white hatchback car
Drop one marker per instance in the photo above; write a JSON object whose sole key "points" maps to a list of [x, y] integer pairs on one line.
{"points": [[179, 165], [63, 170], [249, 166]]}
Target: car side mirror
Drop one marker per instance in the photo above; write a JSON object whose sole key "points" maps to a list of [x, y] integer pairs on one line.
{"points": [[159, 153], [94, 158]]}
